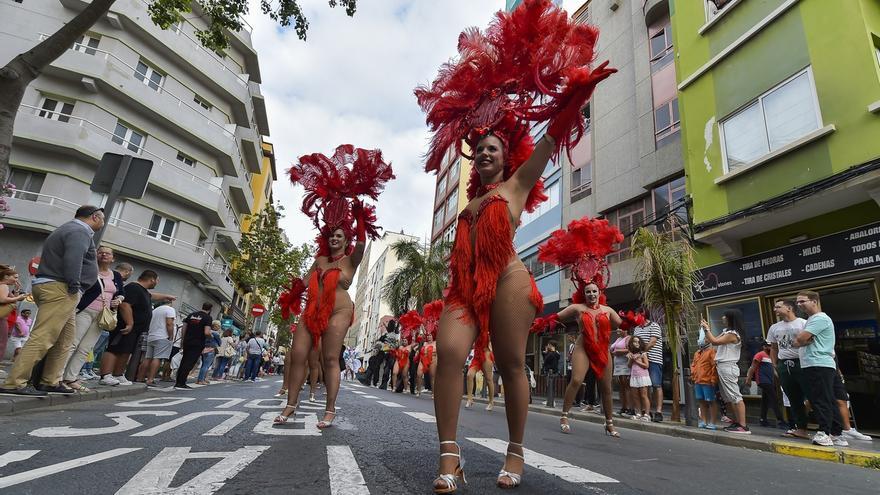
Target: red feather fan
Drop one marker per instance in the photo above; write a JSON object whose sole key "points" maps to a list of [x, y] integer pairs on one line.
{"points": [[333, 187], [431, 316], [409, 324], [291, 299]]}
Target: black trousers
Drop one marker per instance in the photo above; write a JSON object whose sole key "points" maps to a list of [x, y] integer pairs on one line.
{"points": [[372, 372], [768, 400], [388, 360], [820, 391], [187, 362], [590, 396]]}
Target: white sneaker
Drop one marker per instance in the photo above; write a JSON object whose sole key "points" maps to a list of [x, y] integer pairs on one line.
{"points": [[820, 438], [645, 417], [109, 380], [123, 380], [854, 434], [93, 375], [839, 441]]}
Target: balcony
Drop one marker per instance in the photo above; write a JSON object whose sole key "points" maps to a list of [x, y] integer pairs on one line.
{"points": [[262, 119], [35, 211], [90, 141], [251, 149], [239, 190]]}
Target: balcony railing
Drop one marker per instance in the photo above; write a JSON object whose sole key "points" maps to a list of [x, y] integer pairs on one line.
{"points": [[141, 150]]}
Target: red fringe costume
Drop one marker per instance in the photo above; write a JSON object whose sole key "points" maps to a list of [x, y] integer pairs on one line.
{"points": [[582, 248], [333, 187], [531, 65], [430, 320]]}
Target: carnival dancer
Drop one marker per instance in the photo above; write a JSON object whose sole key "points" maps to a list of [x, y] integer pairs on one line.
{"points": [[332, 200], [401, 366], [427, 361], [581, 249], [484, 362], [530, 66]]}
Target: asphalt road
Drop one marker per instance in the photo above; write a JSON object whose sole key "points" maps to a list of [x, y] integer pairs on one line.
{"points": [[218, 439]]}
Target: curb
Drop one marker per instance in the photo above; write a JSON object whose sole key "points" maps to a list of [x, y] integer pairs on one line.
{"points": [[860, 458], [10, 406]]}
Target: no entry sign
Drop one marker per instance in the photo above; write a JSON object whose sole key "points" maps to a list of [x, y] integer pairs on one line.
{"points": [[257, 310]]}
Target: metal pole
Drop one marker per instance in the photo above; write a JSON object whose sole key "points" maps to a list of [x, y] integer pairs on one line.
{"points": [[113, 195]]}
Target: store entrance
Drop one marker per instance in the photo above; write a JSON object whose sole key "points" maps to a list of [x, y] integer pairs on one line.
{"points": [[854, 310]]}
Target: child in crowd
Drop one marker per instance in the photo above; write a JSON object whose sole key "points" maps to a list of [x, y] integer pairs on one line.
{"points": [[705, 378], [639, 378]]}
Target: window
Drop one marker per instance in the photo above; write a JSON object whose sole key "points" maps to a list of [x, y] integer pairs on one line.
{"points": [[628, 218], [441, 186], [100, 199], [661, 47], [86, 44], [438, 219], [668, 197], [452, 204], [186, 159], [127, 137], [537, 267], [552, 193], [666, 121], [201, 102], [55, 110], [453, 171], [778, 117], [714, 8], [582, 182], [162, 228], [149, 76], [26, 182]]}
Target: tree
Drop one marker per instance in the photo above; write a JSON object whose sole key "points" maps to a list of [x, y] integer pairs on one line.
{"points": [[664, 277], [223, 16], [266, 261], [421, 277]]}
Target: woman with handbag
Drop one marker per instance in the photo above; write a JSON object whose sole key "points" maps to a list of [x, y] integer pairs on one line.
{"points": [[95, 312], [8, 302], [226, 353]]}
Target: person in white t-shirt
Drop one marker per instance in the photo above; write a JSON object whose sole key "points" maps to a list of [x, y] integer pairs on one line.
{"points": [[787, 362], [159, 337]]}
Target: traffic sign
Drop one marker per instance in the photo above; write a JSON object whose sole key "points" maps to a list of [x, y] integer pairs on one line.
{"points": [[257, 310]]}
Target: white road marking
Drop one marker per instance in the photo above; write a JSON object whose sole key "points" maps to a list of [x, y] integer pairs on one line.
{"points": [[369, 397], [309, 422], [156, 476], [345, 475], [427, 418], [230, 402], [155, 402], [389, 404], [123, 423], [235, 417], [263, 386], [15, 456], [272, 403], [33, 474], [358, 392], [564, 470]]}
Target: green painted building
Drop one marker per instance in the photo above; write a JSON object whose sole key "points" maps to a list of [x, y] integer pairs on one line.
{"points": [[780, 129]]}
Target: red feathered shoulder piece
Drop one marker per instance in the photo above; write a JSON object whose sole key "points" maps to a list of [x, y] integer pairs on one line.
{"points": [[334, 186], [631, 319], [582, 247], [431, 316], [531, 65], [290, 301], [409, 324]]}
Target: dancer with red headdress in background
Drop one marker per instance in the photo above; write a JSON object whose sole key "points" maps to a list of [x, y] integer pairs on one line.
{"points": [[530, 66], [482, 361], [427, 354], [410, 323], [582, 249], [333, 201]]}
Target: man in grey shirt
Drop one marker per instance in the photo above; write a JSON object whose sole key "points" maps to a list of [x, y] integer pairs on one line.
{"points": [[787, 362], [68, 266]]}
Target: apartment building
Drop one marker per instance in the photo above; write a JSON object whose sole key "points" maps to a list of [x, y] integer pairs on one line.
{"points": [[129, 87]]}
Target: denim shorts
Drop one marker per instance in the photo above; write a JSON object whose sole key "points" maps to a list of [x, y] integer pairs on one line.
{"points": [[704, 392], [656, 372]]}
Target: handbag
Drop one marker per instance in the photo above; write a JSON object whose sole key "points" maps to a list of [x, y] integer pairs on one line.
{"points": [[107, 318], [228, 350]]}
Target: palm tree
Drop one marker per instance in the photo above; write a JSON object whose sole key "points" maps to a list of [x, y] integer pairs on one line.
{"points": [[664, 277], [421, 278]]}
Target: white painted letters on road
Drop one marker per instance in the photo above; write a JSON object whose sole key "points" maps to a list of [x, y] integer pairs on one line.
{"points": [[308, 421], [123, 423], [156, 402], [14, 479], [236, 417], [345, 475]]}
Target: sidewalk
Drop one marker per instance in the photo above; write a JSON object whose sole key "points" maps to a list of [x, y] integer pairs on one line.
{"points": [[859, 453], [15, 404]]}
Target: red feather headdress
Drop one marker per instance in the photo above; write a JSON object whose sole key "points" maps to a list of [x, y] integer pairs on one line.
{"points": [[529, 66], [409, 324], [582, 248], [431, 316], [334, 184], [631, 319]]}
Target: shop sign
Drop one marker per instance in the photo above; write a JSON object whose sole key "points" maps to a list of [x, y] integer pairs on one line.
{"points": [[844, 252]]}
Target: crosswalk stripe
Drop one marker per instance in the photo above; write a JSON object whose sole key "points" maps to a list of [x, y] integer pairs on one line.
{"points": [[389, 404], [369, 397], [427, 418], [358, 392], [345, 475], [564, 470]]}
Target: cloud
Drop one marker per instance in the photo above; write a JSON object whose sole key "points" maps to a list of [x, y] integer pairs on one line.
{"points": [[352, 82]]}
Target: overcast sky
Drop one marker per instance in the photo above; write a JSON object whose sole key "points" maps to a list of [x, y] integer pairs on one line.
{"points": [[352, 82]]}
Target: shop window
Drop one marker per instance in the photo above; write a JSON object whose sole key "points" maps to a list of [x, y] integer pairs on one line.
{"points": [[666, 122], [27, 183], [128, 137], [87, 44], [53, 109], [754, 327], [782, 115]]}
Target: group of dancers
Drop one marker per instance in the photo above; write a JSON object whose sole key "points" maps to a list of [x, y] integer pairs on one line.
{"points": [[529, 68]]}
